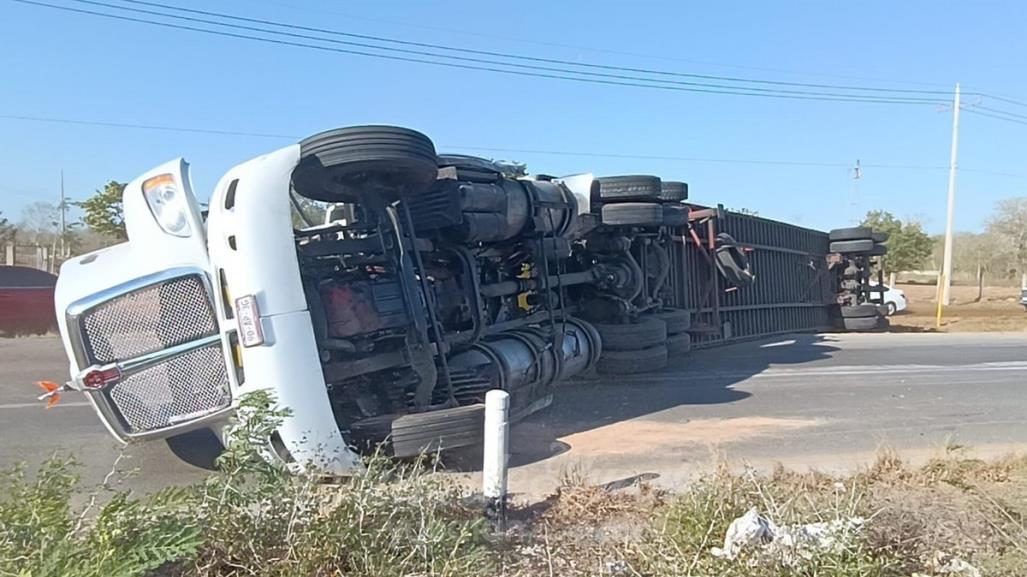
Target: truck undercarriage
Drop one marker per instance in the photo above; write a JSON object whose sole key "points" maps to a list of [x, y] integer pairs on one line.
{"points": [[426, 293]]}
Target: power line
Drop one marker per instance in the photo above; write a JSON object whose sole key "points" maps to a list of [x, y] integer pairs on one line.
{"points": [[920, 100], [1003, 99], [996, 116], [996, 111], [455, 147], [695, 158], [586, 154], [146, 126], [743, 91], [595, 49], [513, 56]]}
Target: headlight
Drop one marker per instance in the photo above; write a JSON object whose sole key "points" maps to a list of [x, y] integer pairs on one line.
{"points": [[167, 204]]}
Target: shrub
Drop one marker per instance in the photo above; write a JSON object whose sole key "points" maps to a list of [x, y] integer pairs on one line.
{"points": [[251, 517]]}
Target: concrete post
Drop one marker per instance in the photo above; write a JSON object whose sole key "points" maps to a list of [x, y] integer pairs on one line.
{"points": [[953, 164], [9, 258], [493, 471], [891, 280]]}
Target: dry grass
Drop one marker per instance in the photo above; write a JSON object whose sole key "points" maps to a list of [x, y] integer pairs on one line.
{"points": [[404, 520], [955, 506], [998, 311]]}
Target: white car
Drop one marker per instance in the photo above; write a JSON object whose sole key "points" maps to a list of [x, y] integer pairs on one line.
{"points": [[894, 299]]}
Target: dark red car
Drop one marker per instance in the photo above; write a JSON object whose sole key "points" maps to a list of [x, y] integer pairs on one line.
{"points": [[26, 301]]}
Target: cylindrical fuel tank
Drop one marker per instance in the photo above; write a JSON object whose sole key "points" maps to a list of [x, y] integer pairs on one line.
{"points": [[498, 211], [522, 360]]}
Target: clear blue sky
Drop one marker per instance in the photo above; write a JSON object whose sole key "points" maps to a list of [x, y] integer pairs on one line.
{"points": [[62, 65]]}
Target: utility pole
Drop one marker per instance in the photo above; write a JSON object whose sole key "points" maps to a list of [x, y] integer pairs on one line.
{"points": [[64, 227], [857, 174], [945, 280]]}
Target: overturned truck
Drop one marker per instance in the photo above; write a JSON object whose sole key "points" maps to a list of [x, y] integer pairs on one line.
{"points": [[379, 290]]}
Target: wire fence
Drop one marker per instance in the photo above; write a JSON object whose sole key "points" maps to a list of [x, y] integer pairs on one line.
{"points": [[38, 256]]}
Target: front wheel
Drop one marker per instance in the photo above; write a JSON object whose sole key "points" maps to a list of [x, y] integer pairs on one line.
{"points": [[891, 308]]}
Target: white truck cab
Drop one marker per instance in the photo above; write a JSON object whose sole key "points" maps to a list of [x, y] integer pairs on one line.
{"points": [[150, 325]]}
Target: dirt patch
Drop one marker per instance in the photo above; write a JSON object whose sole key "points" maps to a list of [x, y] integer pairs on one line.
{"points": [[634, 436], [998, 310]]}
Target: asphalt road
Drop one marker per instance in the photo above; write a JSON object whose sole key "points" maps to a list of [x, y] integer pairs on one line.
{"points": [[823, 401]]}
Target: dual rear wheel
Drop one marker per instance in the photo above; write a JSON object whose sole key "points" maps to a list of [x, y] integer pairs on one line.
{"points": [[645, 344]]}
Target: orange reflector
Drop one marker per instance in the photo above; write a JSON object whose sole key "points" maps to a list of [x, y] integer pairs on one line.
{"points": [[52, 394]]}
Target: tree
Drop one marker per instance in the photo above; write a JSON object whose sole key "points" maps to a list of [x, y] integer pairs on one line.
{"points": [[307, 212], [6, 229], [976, 255], [104, 212], [908, 245], [1009, 225], [39, 222]]}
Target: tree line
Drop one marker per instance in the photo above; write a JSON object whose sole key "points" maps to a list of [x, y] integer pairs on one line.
{"points": [[996, 254], [100, 223]]}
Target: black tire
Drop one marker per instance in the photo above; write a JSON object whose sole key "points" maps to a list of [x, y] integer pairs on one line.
{"points": [[633, 187], [879, 236], [631, 362], [679, 344], [644, 333], [878, 250], [633, 214], [199, 448], [675, 215], [673, 191], [863, 323], [859, 311], [677, 320], [890, 309], [344, 164], [852, 246], [854, 233], [411, 435]]}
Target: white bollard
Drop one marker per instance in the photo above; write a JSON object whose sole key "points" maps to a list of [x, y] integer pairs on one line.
{"points": [[493, 471]]}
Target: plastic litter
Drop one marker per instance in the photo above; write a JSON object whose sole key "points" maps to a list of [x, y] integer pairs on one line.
{"points": [[743, 532], [790, 543]]}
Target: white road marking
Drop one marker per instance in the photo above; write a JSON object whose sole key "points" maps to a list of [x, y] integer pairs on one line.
{"points": [[855, 370], [42, 404]]}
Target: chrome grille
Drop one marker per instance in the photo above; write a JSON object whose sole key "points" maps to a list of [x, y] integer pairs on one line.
{"points": [[182, 388], [150, 319]]}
